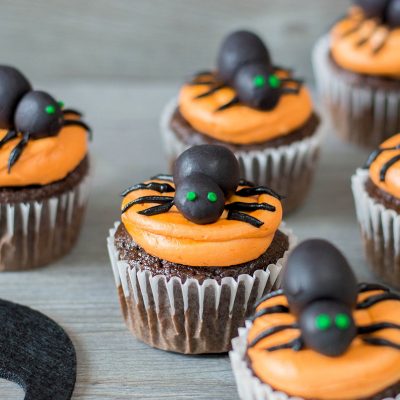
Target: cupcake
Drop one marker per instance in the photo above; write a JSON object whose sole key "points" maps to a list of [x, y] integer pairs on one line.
{"points": [[44, 171], [376, 189], [357, 66], [322, 336], [194, 251], [256, 109]]}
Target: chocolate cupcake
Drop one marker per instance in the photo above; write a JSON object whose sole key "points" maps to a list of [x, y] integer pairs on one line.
{"points": [[258, 110], [376, 189], [195, 251], [357, 66], [321, 337], [44, 171]]}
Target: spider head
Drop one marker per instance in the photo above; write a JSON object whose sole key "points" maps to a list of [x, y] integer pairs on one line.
{"points": [[327, 327], [13, 86], [240, 48], [393, 14], [373, 8], [257, 87], [39, 114], [200, 199]]}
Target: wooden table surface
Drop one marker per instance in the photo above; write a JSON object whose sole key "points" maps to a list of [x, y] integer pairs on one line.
{"points": [[79, 291]]}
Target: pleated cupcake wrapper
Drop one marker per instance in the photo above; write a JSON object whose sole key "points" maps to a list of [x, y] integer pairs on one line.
{"points": [[250, 387], [35, 233], [380, 228], [189, 317], [288, 169], [362, 115]]}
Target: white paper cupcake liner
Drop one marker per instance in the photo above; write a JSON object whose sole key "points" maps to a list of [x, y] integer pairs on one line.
{"points": [[35, 233], [249, 386], [289, 169], [189, 317], [361, 114], [380, 229]]}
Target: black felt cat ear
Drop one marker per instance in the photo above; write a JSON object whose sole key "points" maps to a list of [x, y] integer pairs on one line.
{"points": [[36, 353]]}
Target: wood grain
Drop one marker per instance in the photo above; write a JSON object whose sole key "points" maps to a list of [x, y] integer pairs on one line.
{"points": [[79, 291]]}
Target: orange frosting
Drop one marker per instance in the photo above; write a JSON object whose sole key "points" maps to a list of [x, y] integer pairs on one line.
{"points": [[171, 237], [391, 184], [363, 59], [44, 161], [241, 124], [364, 370]]}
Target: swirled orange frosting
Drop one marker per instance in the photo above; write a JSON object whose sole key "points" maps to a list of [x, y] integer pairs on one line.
{"points": [[364, 59], [171, 237], [44, 161], [241, 124], [363, 371], [391, 184]]}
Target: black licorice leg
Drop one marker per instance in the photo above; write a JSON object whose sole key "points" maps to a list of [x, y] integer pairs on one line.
{"points": [[242, 217], [253, 191], [370, 301], [163, 177], [368, 287], [8, 136], [249, 207], [295, 345], [270, 332], [381, 342], [158, 187], [278, 68], [163, 208], [376, 153], [77, 122], [386, 167], [270, 310], [244, 182], [229, 104], [292, 80], [366, 329], [287, 90], [147, 199], [71, 111], [268, 296], [17, 151], [210, 92]]}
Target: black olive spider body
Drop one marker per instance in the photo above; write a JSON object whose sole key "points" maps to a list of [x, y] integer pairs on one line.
{"points": [[322, 292], [378, 18], [29, 114], [205, 177], [244, 64], [387, 165]]}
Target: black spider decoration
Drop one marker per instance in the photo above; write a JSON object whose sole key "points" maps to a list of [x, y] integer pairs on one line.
{"points": [[204, 177], [386, 166], [29, 114], [321, 291], [378, 18], [244, 63]]}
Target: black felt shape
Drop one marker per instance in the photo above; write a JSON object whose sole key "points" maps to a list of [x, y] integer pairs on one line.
{"points": [[13, 86], [36, 353]]}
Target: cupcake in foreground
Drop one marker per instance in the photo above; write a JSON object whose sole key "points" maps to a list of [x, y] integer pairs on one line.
{"points": [[357, 67], [195, 251], [376, 189], [322, 336], [258, 110], [44, 170]]}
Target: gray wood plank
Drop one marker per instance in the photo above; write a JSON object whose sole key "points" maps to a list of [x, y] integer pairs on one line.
{"points": [[79, 291]]}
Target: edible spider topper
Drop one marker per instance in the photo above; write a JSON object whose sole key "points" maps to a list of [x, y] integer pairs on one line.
{"points": [[29, 114], [36, 353], [244, 63], [375, 19], [322, 292], [205, 177]]}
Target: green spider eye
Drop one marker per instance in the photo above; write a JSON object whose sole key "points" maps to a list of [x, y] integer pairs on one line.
{"points": [[211, 196], [191, 196], [50, 110], [61, 104], [323, 322], [274, 82], [259, 81], [342, 321]]}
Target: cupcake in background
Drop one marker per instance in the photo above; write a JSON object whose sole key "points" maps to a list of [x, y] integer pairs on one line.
{"points": [[44, 171], [357, 67], [194, 252], [258, 110], [322, 337], [376, 190]]}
